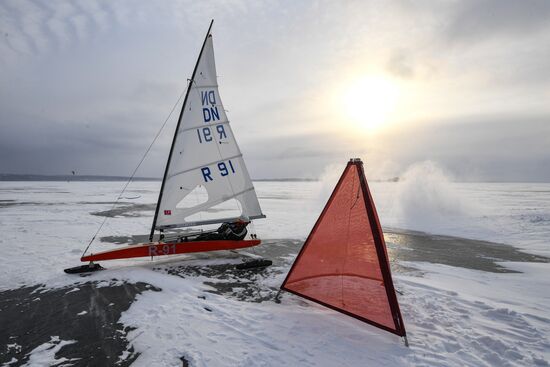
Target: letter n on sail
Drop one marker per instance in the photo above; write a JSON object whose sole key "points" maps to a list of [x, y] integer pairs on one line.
{"points": [[344, 263]]}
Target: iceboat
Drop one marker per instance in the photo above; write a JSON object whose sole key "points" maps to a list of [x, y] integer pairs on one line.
{"points": [[204, 156]]}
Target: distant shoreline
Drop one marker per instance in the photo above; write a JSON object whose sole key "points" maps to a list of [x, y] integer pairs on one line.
{"points": [[56, 178], [100, 178]]}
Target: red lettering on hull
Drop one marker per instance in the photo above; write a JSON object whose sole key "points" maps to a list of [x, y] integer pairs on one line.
{"points": [[160, 249]]}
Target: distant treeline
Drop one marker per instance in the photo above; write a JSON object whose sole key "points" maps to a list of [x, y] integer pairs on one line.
{"points": [[286, 179], [22, 177]]}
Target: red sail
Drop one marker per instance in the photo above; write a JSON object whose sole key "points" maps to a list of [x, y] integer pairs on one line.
{"points": [[344, 263]]}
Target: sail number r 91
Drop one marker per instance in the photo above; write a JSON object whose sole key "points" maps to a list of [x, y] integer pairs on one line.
{"points": [[223, 168]]}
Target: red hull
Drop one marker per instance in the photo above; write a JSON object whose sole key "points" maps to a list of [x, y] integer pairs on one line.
{"points": [[160, 249]]}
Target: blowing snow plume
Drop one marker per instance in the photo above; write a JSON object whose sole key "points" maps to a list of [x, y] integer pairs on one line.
{"points": [[427, 200], [327, 181]]}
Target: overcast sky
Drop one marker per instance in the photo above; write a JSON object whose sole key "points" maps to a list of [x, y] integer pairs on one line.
{"points": [[85, 85]]}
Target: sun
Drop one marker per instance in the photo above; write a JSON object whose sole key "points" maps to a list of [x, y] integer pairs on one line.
{"points": [[369, 101]]}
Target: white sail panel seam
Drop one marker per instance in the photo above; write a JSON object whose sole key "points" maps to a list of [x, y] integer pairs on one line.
{"points": [[204, 86], [204, 125], [201, 222]]}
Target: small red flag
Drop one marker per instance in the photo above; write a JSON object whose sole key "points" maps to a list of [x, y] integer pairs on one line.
{"points": [[167, 212]]}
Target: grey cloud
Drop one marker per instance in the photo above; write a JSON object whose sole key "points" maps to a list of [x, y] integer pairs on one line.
{"points": [[87, 84], [474, 20], [37, 27], [401, 64], [496, 148], [34, 27], [37, 145]]}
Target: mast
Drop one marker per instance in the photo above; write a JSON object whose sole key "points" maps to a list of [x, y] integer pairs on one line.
{"points": [[176, 132]]}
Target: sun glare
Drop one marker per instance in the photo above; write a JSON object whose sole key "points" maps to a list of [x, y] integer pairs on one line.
{"points": [[369, 101]]}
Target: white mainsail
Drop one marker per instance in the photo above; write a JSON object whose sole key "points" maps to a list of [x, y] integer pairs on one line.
{"points": [[205, 154]]}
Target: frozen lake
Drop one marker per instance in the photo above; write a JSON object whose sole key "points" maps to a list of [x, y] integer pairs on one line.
{"points": [[469, 260]]}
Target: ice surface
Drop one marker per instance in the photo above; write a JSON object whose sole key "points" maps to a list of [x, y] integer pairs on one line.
{"points": [[454, 317], [426, 200], [44, 355]]}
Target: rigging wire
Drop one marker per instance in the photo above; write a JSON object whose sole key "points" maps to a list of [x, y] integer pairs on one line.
{"points": [[135, 170]]}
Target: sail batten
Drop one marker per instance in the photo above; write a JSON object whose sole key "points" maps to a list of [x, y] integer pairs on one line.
{"points": [[200, 126], [207, 86], [207, 221], [205, 154]]}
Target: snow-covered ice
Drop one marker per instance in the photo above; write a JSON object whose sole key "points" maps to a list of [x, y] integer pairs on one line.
{"points": [[454, 316], [44, 355]]}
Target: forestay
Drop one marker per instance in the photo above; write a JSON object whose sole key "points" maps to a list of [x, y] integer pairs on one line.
{"points": [[205, 154]]}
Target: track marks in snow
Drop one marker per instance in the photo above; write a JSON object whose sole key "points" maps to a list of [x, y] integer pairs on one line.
{"points": [[467, 332], [173, 323]]}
